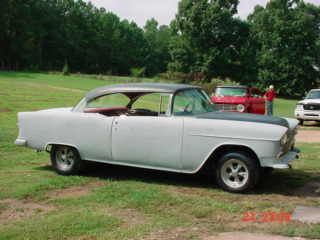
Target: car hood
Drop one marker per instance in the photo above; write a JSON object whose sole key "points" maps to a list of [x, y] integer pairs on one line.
{"points": [[243, 117], [293, 123], [307, 101]]}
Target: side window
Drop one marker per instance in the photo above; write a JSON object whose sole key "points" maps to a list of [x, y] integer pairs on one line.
{"points": [[155, 102], [256, 93], [109, 101]]}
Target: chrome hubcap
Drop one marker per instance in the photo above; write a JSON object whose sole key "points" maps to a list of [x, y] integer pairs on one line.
{"points": [[65, 158], [234, 173]]}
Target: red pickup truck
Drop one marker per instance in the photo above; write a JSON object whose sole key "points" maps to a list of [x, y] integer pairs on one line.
{"points": [[239, 99]]}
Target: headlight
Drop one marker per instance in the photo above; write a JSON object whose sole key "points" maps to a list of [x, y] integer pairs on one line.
{"points": [[241, 108], [299, 107], [284, 140]]}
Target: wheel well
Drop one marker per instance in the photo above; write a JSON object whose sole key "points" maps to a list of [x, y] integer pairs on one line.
{"points": [[217, 153], [50, 146]]}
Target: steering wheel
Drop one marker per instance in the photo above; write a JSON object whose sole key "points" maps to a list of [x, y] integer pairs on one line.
{"points": [[188, 108]]}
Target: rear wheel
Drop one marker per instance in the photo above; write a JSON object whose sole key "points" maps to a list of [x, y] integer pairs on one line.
{"points": [[237, 172], [66, 160]]}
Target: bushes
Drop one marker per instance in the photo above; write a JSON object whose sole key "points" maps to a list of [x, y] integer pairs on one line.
{"points": [[196, 79], [65, 69], [183, 77], [174, 76], [138, 72], [209, 87]]}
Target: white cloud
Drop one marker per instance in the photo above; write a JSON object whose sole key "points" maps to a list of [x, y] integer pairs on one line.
{"points": [[141, 10], [247, 6], [163, 10]]}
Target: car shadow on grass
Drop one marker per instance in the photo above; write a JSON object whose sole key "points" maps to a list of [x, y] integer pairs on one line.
{"points": [[292, 182], [285, 182]]}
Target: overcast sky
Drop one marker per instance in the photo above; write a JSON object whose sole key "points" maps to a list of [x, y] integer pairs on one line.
{"points": [[162, 10]]}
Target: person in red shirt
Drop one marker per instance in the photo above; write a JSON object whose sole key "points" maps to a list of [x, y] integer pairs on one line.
{"points": [[270, 95]]}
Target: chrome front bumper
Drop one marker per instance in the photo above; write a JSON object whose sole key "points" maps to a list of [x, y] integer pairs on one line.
{"points": [[307, 115], [283, 162]]}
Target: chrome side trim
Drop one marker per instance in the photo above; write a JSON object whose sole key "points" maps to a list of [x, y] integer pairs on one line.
{"points": [[229, 137]]}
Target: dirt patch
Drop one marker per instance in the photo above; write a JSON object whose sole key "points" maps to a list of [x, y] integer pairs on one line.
{"points": [[74, 192], [13, 209], [5, 110], [311, 189], [198, 233], [247, 236], [306, 214], [129, 217], [309, 136], [179, 233]]}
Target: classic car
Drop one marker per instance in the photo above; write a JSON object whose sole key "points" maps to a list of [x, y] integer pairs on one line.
{"points": [[309, 108], [164, 127], [239, 99]]}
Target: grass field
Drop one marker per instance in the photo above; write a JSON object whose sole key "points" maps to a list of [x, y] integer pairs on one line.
{"points": [[111, 202]]}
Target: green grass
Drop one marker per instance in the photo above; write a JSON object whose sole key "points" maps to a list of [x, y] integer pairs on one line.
{"points": [[284, 107], [128, 203]]}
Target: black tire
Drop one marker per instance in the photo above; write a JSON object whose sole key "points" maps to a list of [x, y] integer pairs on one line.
{"points": [[70, 164], [301, 122], [248, 165]]}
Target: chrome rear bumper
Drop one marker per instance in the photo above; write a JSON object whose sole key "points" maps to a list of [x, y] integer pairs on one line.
{"points": [[20, 142]]}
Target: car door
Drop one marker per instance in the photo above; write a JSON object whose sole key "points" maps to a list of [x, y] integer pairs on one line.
{"points": [[257, 102], [148, 141]]}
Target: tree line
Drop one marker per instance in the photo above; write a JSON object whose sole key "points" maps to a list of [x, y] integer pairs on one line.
{"points": [[278, 44]]}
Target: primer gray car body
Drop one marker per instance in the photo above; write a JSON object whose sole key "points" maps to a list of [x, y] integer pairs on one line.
{"points": [[165, 142]]}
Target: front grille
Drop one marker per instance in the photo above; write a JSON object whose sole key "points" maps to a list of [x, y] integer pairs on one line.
{"points": [[312, 107], [226, 107], [290, 144]]}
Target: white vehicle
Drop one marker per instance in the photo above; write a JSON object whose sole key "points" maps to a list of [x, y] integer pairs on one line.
{"points": [[164, 127], [309, 108]]}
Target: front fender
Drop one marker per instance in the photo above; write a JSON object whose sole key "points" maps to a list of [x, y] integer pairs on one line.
{"points": [[228, 145]]}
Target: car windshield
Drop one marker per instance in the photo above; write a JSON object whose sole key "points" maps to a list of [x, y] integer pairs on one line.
{"points": [[314, 95], [229, 91], [192, 102]]}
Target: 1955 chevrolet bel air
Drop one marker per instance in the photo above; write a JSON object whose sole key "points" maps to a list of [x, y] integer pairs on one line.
{"points": [[163, 127]]}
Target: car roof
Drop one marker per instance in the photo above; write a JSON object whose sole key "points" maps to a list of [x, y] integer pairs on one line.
{"points": [[136, 89]]}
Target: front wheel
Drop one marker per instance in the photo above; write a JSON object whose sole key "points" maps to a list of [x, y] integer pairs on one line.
{"points": [[66, 160], [237, 172], [301, 122]]}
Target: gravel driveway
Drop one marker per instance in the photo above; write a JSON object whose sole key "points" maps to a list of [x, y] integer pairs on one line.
{"points": [[308, 136]]}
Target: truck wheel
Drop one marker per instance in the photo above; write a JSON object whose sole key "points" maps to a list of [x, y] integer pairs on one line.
{"points": [[301, 122], [66, 160], [237, 172]]}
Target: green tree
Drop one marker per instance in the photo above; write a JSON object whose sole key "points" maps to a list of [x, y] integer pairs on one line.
{"points": [[158, 39], [218, 40], [287, 34]]}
